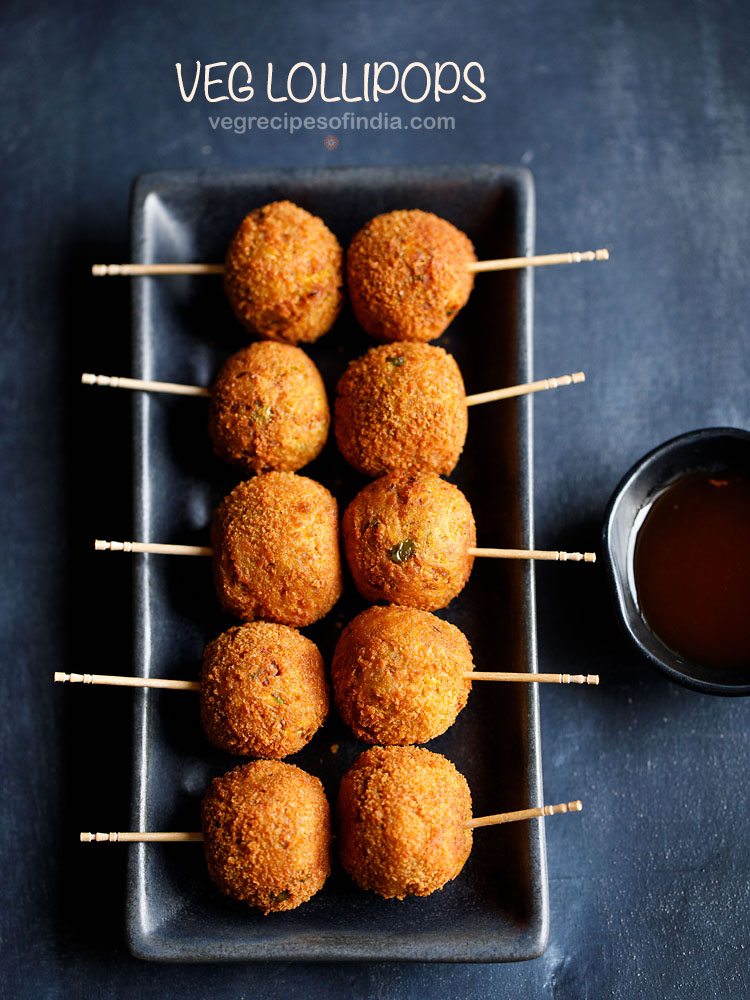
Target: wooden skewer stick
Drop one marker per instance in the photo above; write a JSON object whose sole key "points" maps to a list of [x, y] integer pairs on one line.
{"points": [[185, 838], [509, 675], [511, 817], [525, 389], [539, 260], [141, 838], [116, 681], [165, 549], [120, 382], [544, 555], [158, 548], [146, 270], [178, 389], [501, 264], [112, 680]]}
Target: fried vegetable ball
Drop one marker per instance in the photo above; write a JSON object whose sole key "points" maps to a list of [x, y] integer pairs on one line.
{"points": [[401, 812], [263, 690], [407, 275], [401, 408], [407, 539], [276, 550], [269, 409], [267, 835], [399, 675], [284, 274]]}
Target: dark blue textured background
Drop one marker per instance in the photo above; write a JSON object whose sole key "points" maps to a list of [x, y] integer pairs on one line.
{"points": [[633, 116]]}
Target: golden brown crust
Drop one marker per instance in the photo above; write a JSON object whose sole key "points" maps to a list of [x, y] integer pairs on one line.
{"points": [[276, 550], [401, 812], [406, 538], [284, 274], [269, 409], [407, 275], [399, 675], [267, 835], [263, 690], [401, 408]]}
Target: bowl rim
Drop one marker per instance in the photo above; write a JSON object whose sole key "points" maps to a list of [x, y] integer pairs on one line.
{"points": [[667, 663]]}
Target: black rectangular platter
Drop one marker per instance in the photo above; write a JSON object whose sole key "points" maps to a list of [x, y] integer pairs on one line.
{"points": [[496, 910]]}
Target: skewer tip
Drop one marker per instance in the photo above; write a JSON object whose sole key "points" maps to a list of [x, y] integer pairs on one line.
{"points": [[564, 807], [106, 270], [587, 557], [602, 254], [578, 377]]}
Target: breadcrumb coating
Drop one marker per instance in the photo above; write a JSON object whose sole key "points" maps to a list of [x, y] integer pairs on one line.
{"points": [[401, 408], [407, 275], [263, 690], [407, 539], [269, 409], [284, 274], [401, 812], [399, 675], [276, 550], [267, 835]]}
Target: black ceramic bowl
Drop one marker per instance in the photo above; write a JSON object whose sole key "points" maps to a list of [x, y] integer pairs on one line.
{"points": [[715, 449]]}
